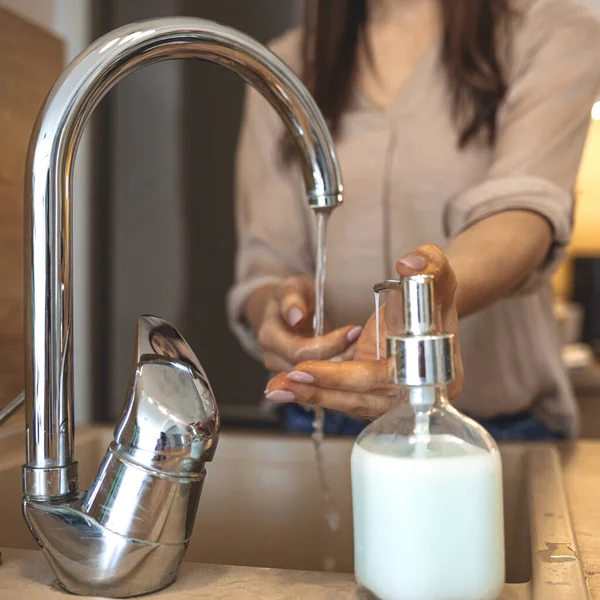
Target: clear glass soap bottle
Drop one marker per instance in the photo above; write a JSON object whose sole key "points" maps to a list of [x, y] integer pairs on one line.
{"points": [[426, 480]]}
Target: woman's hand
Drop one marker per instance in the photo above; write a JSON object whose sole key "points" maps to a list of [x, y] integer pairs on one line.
{"points": [[285, 330], [363, 385]]}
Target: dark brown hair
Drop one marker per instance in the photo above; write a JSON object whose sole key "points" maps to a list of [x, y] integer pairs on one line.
{"points": [[470, 57]]}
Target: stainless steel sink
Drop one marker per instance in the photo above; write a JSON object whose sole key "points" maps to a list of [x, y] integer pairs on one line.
{"points": [[262, 507]]}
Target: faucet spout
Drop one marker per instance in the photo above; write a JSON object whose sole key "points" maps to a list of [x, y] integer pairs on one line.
{"points": [[128, 533], [51, 471]]}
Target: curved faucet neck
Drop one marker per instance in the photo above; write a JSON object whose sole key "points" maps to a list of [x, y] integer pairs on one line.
{"points": [[50, 470]]}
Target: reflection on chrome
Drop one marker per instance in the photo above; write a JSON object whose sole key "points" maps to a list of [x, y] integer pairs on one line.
{"points": [[128, 533]]}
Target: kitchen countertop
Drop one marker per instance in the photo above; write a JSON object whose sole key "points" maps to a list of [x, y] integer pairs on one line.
{"points": [[581, 472], [25, 574], [29, 577]]}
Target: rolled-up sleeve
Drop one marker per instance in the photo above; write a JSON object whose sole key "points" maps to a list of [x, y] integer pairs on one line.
{"points": [[542, 126], [273, 236]]}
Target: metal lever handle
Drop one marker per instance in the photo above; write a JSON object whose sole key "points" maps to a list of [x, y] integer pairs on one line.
{"points": [[157, 338], [171, 411]]}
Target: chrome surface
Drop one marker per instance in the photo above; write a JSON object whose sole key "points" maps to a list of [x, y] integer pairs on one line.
{"points": [[46, 481], [420, 356], [417, 302], [388, 285], [89, 559], [127, 535], [422, 360], [49, 292], [6, 412]]}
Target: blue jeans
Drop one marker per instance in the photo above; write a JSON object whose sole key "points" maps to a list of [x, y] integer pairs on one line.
{"points": [[522, 426], [297, 419]]}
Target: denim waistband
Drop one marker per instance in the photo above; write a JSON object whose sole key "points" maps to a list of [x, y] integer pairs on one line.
{"points": [[520, 426]]}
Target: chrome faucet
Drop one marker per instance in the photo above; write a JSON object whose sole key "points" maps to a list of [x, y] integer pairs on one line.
{"points": [[127, 535]]}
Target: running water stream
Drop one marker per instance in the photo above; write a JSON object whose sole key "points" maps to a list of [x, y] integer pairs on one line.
{"points": [[332, 515]]}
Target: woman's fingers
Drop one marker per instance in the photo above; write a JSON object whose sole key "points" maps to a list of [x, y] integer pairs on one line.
{"points": [[429, 259], [275, 363], [284, 346], [364, 405], [275, 337], [361, 387], [358, 387], [352, 376], [348, 354], [296, 297]]}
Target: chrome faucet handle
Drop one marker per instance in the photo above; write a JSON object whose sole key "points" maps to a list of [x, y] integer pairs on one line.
{"points": [[170, 422], [141, 507], [158, 338]]}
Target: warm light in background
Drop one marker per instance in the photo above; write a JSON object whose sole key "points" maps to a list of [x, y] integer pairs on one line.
{"points": [[586, 234]]}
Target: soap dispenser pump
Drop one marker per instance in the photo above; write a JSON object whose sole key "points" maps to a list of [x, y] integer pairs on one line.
{"points": [[426, 480]]}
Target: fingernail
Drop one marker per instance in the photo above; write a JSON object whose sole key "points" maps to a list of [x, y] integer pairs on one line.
{"points": [[301, 377], [414, 261], [280, 396], [336, 359], [295, 316], [354, 334]]}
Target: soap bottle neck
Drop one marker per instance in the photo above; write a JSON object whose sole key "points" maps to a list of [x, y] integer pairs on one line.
{"points": [[423, 398]]}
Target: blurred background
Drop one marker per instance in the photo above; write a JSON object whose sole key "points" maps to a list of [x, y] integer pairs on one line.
{"points": [[153, 222], [153, 216]]}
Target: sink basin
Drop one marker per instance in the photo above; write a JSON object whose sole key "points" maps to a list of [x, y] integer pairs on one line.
{"points": [[262, 507]]}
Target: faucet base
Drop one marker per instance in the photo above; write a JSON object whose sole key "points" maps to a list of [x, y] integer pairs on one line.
{"points": [[128, 534], [89, 559]]}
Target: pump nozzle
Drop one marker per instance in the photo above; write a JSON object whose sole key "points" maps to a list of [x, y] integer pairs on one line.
{"points": [[421, 356]]}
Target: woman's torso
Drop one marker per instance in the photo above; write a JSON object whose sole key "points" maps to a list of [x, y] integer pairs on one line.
{"points": [[402, 168]]}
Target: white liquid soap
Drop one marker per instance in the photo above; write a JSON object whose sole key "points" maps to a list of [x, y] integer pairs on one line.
{"points": [[426, 480], [428, 518]]}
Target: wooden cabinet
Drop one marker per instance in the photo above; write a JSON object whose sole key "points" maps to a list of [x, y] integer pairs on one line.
{"points": [[31, 59]]}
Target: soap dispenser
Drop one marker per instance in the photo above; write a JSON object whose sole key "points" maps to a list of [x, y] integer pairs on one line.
{"points": [[426, 480]]}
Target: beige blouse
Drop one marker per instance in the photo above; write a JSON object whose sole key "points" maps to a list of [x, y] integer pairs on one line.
{"points": [[407, 183]]}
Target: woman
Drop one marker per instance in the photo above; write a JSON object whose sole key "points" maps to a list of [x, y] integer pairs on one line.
{"points": [[459, 124]]}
